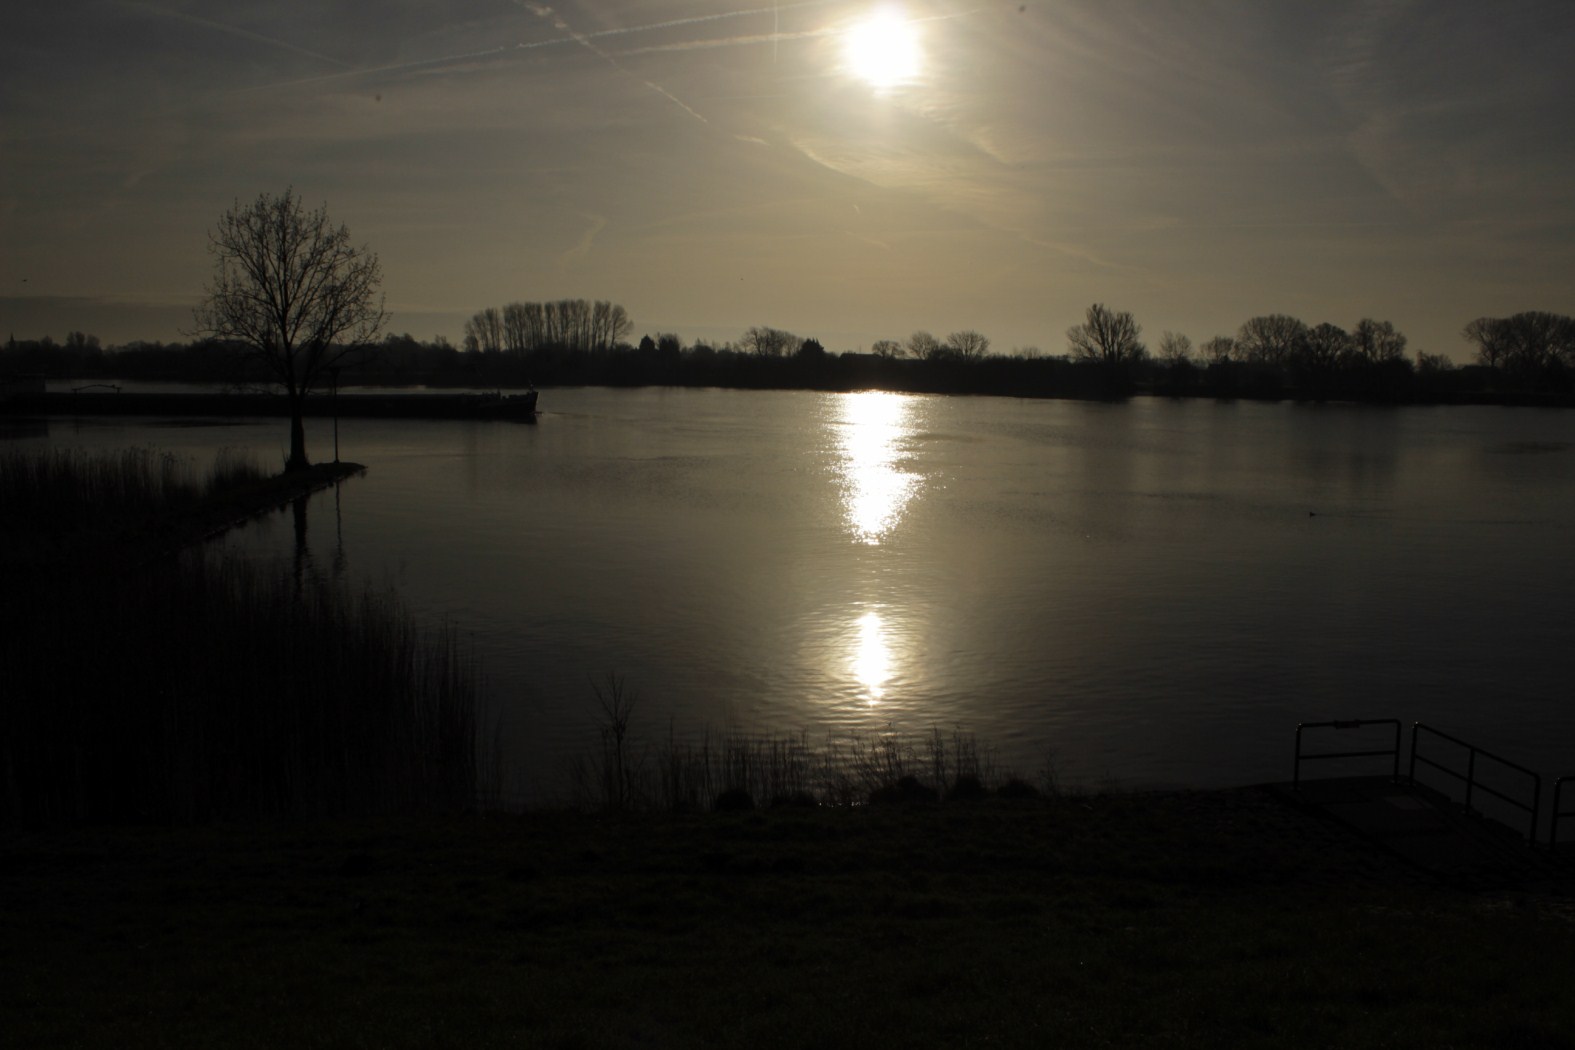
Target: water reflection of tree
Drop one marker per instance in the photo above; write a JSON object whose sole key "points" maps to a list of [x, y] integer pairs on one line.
{"points": [[304, 565]]}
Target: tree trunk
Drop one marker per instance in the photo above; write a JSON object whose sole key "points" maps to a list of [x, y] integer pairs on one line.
{"points": [[297, 460]]}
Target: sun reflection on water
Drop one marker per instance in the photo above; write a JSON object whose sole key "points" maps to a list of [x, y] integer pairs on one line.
{"points": [[875, 489], [872, 430], [872, 656]]}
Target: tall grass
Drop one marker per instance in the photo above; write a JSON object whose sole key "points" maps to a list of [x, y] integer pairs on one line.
{"points": [[205, 689], [196, 688], [626, 770], [65, 489]]}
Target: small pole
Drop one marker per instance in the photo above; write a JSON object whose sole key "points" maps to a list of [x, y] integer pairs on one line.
{"points": [[333, 374]]}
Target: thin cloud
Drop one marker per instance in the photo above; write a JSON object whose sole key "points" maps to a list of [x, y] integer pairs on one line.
{"points": [[229, 30], [582, 250], [586, 41]]}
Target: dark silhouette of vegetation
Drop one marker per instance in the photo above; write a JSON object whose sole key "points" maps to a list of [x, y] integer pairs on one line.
{"points": [[630, 771], [1106, 336], [1534, 350], [289, 286], [1524, 359], [193, 688], [572, 325]]}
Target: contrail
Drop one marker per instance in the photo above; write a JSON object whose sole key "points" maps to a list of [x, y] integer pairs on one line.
{"points": [[587, 40], [584, 40], [728, 41], [675, 23]]}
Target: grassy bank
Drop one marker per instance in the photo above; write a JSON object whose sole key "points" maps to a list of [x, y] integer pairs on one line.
{"points": [[1184, 920], [142, 686]]}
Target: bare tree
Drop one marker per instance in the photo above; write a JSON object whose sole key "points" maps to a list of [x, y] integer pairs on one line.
{"points": [[1327, 346], [1108, 336], [534, 318], [1376, 342], [1525, 343], [1218, 350], [769, 342], [1491, 338], [516, 328], [1175, 348], [887, 348], [609, 323], [1271, 339], [925, 347], [968, 345], [484, 331], [290, 286]]}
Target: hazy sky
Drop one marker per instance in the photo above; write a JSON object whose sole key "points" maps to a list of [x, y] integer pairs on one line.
{"points": [[714, 165]]}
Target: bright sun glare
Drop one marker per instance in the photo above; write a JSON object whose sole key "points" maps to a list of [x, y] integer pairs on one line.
{"points": [[883, 49]]}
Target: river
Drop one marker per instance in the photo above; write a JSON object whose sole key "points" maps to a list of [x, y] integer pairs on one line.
{"points": [[1148, 593]]}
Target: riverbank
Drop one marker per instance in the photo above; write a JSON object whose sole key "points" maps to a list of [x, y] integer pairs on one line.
{"points": [[1222, 918]]}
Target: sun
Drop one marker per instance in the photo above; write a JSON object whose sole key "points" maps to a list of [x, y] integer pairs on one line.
{"points": [[883, 49]]}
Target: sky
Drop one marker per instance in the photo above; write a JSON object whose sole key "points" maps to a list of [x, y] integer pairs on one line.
{"points": [[713, 165]]}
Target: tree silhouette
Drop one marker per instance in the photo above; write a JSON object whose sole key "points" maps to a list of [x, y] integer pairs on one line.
{"points": [[764, 341], [484, 332], [290, 286], [1175, 349], [968, 345], [1107, 336], [1377, 341], [1218, 350], [1326, 347], [1271, 339], [1532, 345], [923, 346]]}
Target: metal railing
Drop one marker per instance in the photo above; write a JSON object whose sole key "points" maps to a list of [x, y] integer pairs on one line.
{"points": [[1470, 775], [1559, 812], [1393, 751]]}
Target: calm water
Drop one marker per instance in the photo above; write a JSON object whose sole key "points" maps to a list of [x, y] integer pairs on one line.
{"points": [[1153, 593]]}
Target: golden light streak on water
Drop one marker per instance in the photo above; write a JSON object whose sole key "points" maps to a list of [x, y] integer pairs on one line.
{"points": [[875, 489], [872, 656]]}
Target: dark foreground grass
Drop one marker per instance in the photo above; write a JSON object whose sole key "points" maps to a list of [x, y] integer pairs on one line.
{"points": [[1188, 919], [143, 686]]}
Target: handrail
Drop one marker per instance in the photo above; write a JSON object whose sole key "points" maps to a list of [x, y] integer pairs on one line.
{"points": [[1559, 813], [1470, 775], [1393, 752]]}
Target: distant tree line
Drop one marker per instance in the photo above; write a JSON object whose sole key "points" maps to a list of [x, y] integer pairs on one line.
{"points": [[1526, 358], [1535, 348]]}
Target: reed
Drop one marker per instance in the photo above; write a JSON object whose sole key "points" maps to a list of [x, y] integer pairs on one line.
{"points": [[727, 770], [195, 688], [67, 489], [217, 689]]}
